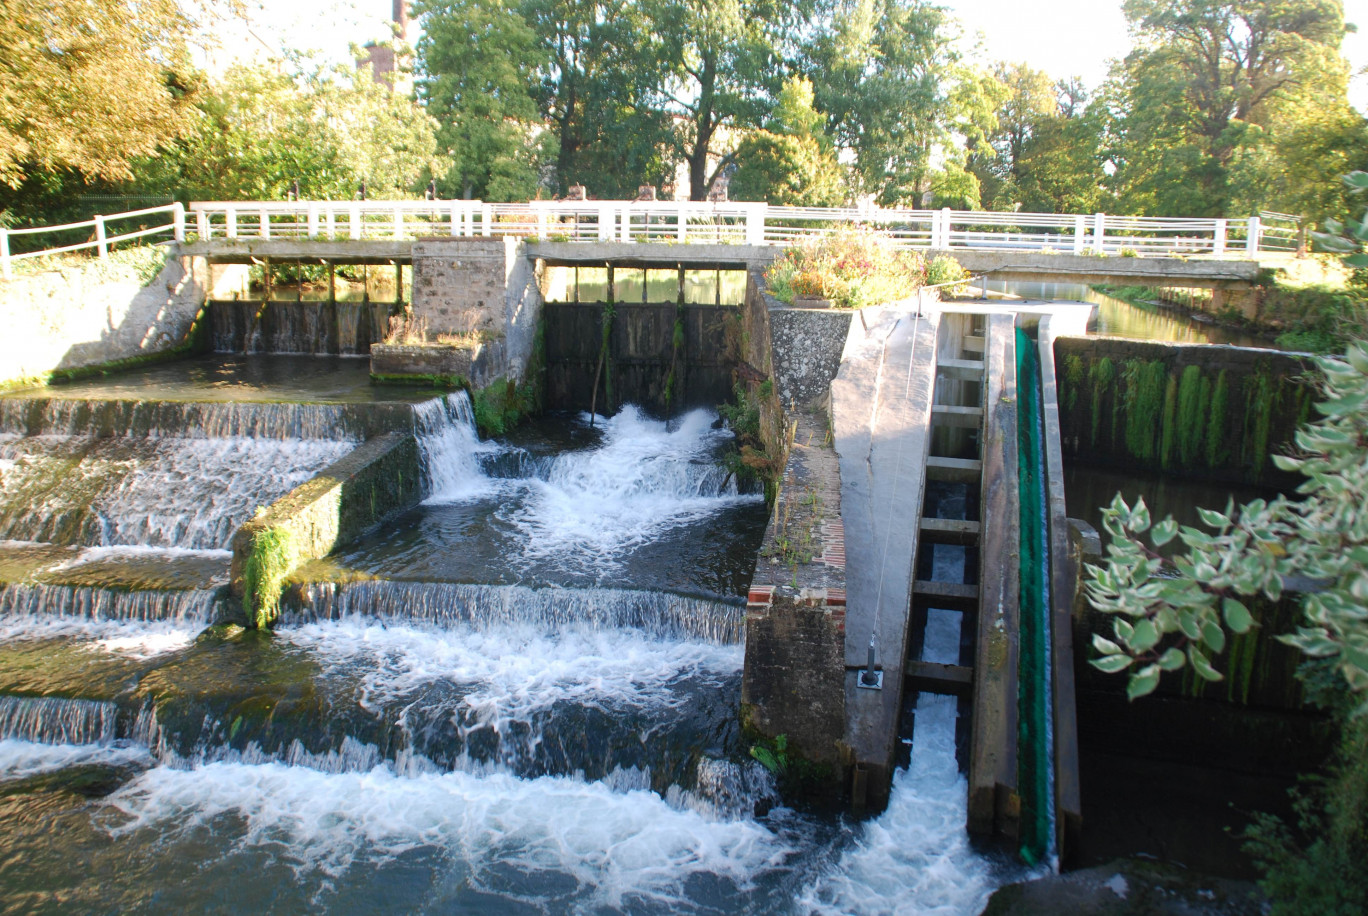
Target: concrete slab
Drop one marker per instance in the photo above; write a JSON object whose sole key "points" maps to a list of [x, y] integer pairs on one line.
{"points": [[881, 409]]}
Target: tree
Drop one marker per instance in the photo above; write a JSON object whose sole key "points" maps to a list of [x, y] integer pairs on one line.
{"points": [[1202, 75], [478, 63], [90, 85], [256, 131], [726, 65], [882, 70], [600, 70], [1030, 102], [791, 161]]}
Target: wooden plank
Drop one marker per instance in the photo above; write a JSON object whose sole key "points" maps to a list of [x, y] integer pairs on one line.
{"points": [[938, 678], [993, 802], [951, 591], [966, 369], [950, 530], [951, 415], [953, 470]]}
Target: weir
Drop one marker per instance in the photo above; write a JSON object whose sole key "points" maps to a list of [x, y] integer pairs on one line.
{"points": [[506, 673]]}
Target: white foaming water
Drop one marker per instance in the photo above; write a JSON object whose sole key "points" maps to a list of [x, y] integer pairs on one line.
{"points": [[915, 858], [21, 759], [515, 671], [190, 493], [614, 846], [595, 505], [451, 449]]}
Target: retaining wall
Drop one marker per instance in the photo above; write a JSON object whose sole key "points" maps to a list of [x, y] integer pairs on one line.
{"points": [[97, 313], [1194, 411], [376, 481]]}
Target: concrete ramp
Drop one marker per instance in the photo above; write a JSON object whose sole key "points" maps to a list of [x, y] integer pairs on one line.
{"points": [[881, 404]]}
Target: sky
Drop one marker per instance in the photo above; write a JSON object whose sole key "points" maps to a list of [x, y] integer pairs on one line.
{"points": [[1062, 37]]}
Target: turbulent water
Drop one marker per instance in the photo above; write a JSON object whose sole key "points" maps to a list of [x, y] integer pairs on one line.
{"points": [[559, 737]]}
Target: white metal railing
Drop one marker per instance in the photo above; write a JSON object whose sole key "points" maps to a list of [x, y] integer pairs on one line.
{"points": [[686, 222], [103, 241], [734, 223]]}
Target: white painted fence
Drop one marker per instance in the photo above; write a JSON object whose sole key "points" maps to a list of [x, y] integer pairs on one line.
{"points": [[683, 222], [103, 241], [735, 223]]}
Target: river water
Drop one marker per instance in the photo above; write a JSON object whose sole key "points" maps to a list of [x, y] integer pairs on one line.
{"points": [[519, 698]]}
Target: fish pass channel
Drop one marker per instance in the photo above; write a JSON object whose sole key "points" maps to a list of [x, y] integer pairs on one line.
{"points": [[520, 697]]}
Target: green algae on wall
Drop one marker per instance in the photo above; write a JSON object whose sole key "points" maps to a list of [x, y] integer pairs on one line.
{"points": [[1203, 411]]}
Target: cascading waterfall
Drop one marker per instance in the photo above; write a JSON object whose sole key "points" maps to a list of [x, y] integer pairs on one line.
{"points": [[189, 493], [57, 416], [53, 720], [442, 604], [407, 744]]}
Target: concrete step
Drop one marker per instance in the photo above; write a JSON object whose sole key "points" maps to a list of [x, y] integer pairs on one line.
{"points": [[953, 470], [961, 417], [947, 591], [966, 369], [937, 678], [950, 530]]}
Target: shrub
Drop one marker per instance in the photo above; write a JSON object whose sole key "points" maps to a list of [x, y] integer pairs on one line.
{"points": [[852, 267]]}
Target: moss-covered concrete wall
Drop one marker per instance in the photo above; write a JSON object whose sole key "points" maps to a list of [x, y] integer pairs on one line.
{"points": [[1187, 410], [377, 480]]}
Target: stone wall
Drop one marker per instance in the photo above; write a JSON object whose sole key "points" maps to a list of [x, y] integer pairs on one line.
{"points": [[794, 679], [376, 481], [483, 286], [1189, 410], [96, 313]]}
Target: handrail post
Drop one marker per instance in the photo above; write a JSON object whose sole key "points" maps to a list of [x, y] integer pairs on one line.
{"points": [[202, 225], [329, 220], [313, 219], [541, 223], [755, 224], [1099, 233], [683, 228], [178, 222], [5, 268], [354, 221], [1218, 241], [1252, 239], [456, 218], [1080, 233], [100, 236], [265, 229], [606, 219], [945, 228], [626, 223], [486, 219]]}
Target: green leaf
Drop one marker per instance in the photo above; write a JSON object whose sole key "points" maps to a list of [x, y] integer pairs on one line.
{"points": [[1237, 616], [1213, 635], [1104, 645], [1172, 659], [1143, 682], [1146, 636], [1164, 532], [1211, 518], [1111, 664], [1201, 665]]}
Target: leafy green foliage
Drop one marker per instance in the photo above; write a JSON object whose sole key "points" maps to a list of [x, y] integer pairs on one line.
{"points": [[1315, 866], [1176, 611], [945, 269], [1348, 238], [90, 85], [853, 268], [791, 162]]}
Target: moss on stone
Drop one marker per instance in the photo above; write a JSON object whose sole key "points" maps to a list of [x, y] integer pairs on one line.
{"points": [[268, 563], [1146, 381], [1216, 449], [444, 382], [1103, 377], [1194, 395]]}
